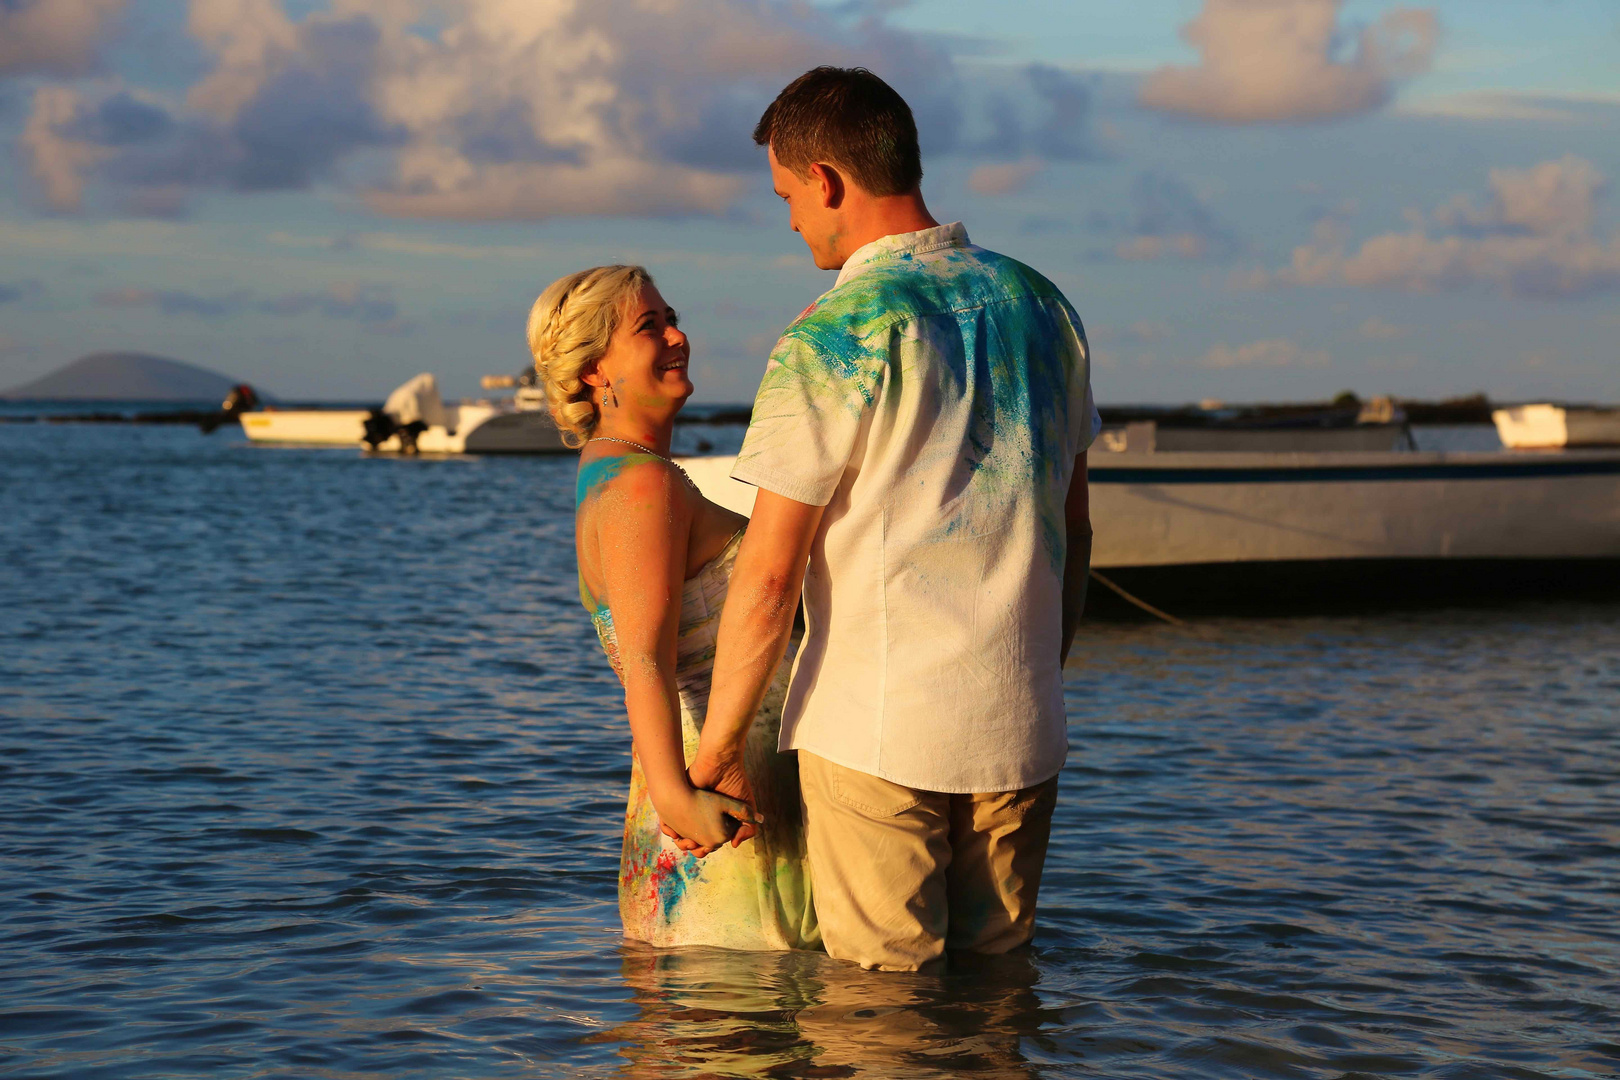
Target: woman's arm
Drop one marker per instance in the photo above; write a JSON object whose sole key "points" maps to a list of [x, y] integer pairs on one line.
{"points": [[753, 637], [642, 522]]}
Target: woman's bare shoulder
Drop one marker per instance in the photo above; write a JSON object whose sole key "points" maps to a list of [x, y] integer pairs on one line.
{"points": [[635, 476]]}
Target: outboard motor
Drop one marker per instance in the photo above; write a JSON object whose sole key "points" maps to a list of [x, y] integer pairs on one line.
{"points": [[410, 410], [241, 399], [379, 428], [407, 435]]}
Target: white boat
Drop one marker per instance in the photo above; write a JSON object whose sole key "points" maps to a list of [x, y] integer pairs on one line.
{"points": [[415, 420], [1541, 427], [1223, 531], [1148, 436], [307, 427], [1168, 509]]}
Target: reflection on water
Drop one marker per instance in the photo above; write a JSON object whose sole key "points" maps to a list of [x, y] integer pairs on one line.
{"points": [[713, 1012], [309, 767]]}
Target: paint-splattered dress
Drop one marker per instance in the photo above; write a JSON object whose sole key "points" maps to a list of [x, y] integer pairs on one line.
{"points": [[756, 896]]}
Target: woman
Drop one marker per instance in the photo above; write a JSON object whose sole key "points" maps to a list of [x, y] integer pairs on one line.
{"points": [[654, 560]]}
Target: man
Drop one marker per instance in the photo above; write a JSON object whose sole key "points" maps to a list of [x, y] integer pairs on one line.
{"points": [[919, 441]]}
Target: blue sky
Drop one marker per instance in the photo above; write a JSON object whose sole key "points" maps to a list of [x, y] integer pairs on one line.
{"points": [[1245, 199]]}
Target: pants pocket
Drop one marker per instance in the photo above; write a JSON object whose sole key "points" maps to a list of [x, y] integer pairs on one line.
{"points": [[1039, 798], [872, 795]]}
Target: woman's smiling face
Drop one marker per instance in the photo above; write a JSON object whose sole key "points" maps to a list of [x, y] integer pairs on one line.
{"points": [[647, 357]]}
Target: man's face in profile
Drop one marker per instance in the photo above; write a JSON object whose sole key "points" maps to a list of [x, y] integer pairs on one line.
{"points": [[810, 213]]}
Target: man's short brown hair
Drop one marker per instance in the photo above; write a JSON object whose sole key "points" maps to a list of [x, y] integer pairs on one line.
{"points": [[849, 118]]}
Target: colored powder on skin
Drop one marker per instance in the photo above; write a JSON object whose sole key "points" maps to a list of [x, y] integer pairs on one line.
{"points": [[593, 476], [597, 473], [592, 482]]}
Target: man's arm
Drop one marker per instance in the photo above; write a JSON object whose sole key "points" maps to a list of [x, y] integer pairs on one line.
{"points": [[754, 630], [1077, 566]]}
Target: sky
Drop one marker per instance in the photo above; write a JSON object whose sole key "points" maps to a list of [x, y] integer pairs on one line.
{"points": [[1245, 200]]}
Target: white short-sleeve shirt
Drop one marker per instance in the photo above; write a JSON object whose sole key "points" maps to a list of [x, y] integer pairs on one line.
{"points": [[934, 401]]}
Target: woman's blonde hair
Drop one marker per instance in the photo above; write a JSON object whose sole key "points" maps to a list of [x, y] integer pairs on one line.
{"points": [[569, 329]]}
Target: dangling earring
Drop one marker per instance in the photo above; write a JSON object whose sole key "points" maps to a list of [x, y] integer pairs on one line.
{"points": [[606, 390]]}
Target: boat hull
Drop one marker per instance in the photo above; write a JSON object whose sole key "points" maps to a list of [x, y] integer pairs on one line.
{"points": [[524, 432], [306, 427], [1535, 427], [1172, 509], [1347, 586], [469, 429]]}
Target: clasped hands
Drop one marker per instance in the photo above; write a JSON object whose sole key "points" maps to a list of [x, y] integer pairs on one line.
{"points": [[718, 808]]}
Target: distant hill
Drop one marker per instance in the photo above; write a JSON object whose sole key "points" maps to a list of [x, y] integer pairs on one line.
{"points": [[125, 376]]}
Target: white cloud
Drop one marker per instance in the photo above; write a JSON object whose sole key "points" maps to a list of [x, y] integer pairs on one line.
{"points": [[1554, 198], [1057, 129], [1537, 106], [173, 301], [1487, 105], [396, 244], [1005, 178], [250, 41], [1167, 219], [58, 161], [1533, 238], [1139, 331], [1143, 330], [53, 35], [338, 300], [1379, 330], [1269, 60], [1031, 117], [1273, 353], [95, 239], [1186, 245], [479, 108]]}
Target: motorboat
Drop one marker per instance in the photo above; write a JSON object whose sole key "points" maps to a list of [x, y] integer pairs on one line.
{"points": [[1342, 426], [416, 420], [1544, 426], [1200, 531]]}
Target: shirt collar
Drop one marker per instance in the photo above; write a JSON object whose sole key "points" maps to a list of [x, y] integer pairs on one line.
{"points": [[897, 245]]}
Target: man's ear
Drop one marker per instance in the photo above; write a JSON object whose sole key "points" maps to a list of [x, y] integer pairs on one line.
{"points": [[830, 183]]}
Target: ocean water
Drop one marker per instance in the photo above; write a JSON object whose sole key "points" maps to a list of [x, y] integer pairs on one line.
{"points": [[310, 767]]}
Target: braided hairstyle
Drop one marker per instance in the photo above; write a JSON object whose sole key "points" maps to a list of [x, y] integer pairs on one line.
{"points": [[569, 329]]}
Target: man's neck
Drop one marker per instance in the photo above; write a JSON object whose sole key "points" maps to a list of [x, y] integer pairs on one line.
{"points": [[875, 217]]}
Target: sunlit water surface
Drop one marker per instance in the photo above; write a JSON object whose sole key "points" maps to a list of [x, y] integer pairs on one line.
{"points": [[311, 768]]}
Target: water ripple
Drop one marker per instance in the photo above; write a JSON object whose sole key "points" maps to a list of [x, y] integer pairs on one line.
{"points": [[310, 768]]}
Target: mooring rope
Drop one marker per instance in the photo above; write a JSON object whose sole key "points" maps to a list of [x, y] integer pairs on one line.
{"points": [[1143, 604]]}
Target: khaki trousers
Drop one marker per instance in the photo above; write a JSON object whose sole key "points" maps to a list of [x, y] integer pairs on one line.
{"points": [[901, 874]]}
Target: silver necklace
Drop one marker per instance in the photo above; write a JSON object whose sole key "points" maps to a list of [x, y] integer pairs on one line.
{"points": [[649, 450]]}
